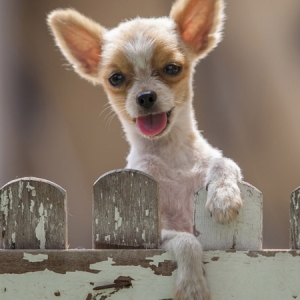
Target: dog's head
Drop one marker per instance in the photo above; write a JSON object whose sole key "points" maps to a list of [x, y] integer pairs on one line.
{"points": [[145, 65]]}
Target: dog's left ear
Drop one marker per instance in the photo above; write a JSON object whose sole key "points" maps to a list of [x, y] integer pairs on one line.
{"points": [[199, 22]]}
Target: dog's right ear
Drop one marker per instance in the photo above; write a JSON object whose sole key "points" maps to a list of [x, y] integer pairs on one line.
{"points": [[79, 39], [199, 22]]}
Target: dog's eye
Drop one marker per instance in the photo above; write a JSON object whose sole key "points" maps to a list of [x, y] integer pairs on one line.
{"points": [[116, 79], [172, 69]]}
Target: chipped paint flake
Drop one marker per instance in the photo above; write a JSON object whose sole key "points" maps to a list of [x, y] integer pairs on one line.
{"points": [[118, 219], [102, 265], [40, 231], [35, 257], [4, 204], [144, 235], [29, 187], [147, 212], [107, 238], [20, 190], [13, 237], [10, 196], [156, 259], [31, 205]]}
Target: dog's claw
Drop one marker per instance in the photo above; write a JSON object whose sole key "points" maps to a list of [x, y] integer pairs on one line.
{"points": [[206, 187]]}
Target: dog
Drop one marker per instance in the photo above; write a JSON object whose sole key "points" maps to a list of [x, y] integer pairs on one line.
{"points": [[146, 67]]}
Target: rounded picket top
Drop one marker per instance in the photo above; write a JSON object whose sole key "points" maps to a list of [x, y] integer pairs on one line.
{"points": [[295, 219], [244, 233], [125, 211], [33, 215]]}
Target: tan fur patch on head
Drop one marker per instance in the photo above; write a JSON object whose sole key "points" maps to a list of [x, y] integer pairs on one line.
{"points": [[118, 64], [140, 50]]}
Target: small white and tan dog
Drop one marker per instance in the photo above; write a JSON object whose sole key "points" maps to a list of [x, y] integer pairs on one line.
{"points": [[146, 68]]}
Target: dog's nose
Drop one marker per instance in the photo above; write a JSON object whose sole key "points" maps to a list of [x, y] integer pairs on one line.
{"points": [[146, 99]]}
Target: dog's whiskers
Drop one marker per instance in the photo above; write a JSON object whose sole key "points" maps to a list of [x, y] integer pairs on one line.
{"points": [[105, 108]]}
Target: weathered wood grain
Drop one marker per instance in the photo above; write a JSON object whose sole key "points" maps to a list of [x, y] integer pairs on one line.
{"points": [[125, 211], [295, 219], [245, 233], [73, 274], [32, 215]]}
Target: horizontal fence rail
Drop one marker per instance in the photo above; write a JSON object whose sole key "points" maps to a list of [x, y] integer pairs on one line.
{"points": [[126, 262]]}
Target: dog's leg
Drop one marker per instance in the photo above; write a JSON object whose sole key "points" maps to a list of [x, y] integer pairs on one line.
{"points": [[223, 198], [187, 252]]}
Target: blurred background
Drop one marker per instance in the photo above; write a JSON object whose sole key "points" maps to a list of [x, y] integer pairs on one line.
{"points": [[247, 102]]}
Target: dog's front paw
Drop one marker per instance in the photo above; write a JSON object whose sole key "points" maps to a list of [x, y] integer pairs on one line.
{"points": [[223, 201], [192, 289]]}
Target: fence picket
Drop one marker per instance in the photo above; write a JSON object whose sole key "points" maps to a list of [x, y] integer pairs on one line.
{"points": [[32, 215], [125, 211], [245, 233], [295, 219]]}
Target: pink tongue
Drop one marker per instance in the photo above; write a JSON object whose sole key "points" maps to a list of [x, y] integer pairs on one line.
{"points": [[152, 125]]}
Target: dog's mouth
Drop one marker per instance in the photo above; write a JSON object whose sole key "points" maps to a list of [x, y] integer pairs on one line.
{"points": [[153, 124]]}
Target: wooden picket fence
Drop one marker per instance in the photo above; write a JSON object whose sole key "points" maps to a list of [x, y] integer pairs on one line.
{"points": [[126, 262]]}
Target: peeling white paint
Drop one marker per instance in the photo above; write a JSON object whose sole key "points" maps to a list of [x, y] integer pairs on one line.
{"points": [[20, 190], [97, 237], [159, 259], [40, 231], [118, 219], [297, 204], [29, 187], [35, 257], [10, 196], [51, 205], [4, 204], [137, 229], [99, 266], [13, 237], [97, 221], [31, 205], [107, 238], [232, 276], [147, 212], [144, 235]]}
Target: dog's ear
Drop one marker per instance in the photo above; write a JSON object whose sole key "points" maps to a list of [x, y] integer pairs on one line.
{"points": [[199, 22], [79, 39]]}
